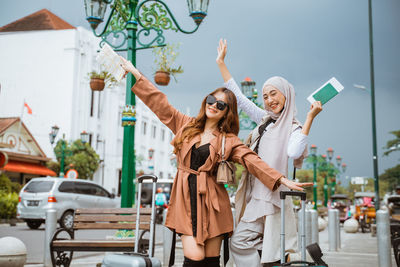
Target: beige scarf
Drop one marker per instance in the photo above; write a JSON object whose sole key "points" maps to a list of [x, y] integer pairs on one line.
{"points": [[272, 148]]}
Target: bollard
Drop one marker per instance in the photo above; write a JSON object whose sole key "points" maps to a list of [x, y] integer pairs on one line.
{"points": [[332, 229], [168, 235], [308, 227], [51, 226], [383, 234], [314, 226], [338, 229]]}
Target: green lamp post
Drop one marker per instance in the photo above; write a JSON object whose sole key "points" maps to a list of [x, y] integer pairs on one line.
{"points": [[324, 169], [247, 87], [52, 137], [313, 150], [122, 33]]}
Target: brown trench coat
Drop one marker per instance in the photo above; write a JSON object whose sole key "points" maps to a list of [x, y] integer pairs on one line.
{"points": [[214, 216]]}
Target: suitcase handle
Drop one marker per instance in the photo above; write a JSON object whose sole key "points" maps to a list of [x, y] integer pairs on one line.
{"points": [[302, 195], [147, 177]]}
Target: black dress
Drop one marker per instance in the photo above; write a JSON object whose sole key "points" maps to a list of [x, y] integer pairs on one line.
{"points": [[198, 157]]}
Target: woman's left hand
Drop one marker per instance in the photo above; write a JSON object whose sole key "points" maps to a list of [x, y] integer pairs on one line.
{"points": [[294, 185], [315, 108]]}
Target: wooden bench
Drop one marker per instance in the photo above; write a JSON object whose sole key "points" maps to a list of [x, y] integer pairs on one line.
{"points": [[62, 248]]}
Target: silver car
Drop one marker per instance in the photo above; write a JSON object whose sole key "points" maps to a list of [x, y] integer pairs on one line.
{"points": [[62, 194]]}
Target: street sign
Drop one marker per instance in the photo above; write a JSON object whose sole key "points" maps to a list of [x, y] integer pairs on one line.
{"points": [[359, 180], [71, 173]]}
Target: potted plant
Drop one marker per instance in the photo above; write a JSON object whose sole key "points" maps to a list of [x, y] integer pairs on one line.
{"points": [[98, 80], [164, 58]]}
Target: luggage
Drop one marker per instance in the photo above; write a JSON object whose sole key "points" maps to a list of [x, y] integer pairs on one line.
{"points": [[137, 259], [313, 249]]}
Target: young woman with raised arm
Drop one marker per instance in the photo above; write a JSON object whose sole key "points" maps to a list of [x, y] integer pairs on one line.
{"points": [[277, 137], [199, 208]]}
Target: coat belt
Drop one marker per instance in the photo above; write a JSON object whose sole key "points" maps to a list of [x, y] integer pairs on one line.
{"points": [[202, 187]]}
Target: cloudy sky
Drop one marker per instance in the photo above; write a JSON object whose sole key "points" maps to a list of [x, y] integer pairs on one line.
{"points": [[307, 42]]}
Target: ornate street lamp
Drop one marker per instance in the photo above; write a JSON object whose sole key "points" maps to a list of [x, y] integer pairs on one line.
{"points": [[248, 89], [151, 153], [329, 152], [131, 23], [247, 86], [95, 10], [198, 9], [344, 167], [53, 133], [338, 161], [84, 137], [313, 150], [52, 137]]}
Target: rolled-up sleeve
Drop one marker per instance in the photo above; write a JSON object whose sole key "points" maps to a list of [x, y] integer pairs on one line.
{"points": [[297, 144]]}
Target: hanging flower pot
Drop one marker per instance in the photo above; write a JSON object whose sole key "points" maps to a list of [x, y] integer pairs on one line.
{"points": [[162, 78], [97, 84]]}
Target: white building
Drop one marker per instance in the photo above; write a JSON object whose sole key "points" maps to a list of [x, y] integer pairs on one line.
{"points": [[45, 63]]}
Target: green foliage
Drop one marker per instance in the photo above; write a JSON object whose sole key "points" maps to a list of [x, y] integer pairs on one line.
{"points": [[391, 177], [78, 156], [109, 80], [164, 58], [6, 186], [8, 205], [393, 145], [369, 187]]}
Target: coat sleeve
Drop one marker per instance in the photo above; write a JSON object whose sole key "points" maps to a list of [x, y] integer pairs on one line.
{"points": [[240, 153], [158, 103]]}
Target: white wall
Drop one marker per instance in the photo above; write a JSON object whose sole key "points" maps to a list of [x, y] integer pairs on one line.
{"points": [[49, 70]]}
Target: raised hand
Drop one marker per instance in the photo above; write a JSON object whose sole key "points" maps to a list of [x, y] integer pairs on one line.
{"points": [[315, 108], [222, 49]]}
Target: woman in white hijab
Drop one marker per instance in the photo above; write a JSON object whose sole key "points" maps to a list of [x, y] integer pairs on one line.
{"points": [[256, 240]]}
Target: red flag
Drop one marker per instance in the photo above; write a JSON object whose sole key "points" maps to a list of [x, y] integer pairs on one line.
{"points": [[28, 108]]}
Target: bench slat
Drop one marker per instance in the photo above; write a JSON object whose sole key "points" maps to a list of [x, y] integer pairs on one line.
{"points": [[110, 218], [132, 226], [94, 243]]}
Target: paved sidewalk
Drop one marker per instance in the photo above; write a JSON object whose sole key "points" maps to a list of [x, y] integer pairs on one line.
{"points": [[357, 250]]}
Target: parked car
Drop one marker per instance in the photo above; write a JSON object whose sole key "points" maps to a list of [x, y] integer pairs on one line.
{"points": [[62, 194]]}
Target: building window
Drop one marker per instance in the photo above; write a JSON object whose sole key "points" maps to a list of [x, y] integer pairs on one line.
{"points": [[162, 134], [161, 175], [170, 136], [153, 131], [144, 125]]}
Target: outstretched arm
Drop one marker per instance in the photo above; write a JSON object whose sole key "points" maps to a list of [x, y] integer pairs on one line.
{"points": [[270, 177], [255, 113], [155, 99]]}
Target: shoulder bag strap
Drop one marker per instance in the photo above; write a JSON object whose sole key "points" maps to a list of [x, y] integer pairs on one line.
{"points": [[223, 146]]}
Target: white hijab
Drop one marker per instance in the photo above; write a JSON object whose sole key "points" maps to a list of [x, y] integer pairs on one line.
{"points": [[274, 143]]}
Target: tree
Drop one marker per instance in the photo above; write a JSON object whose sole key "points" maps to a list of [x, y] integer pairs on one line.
{"points": [[393, 145], [78, 156], [391, 177]]}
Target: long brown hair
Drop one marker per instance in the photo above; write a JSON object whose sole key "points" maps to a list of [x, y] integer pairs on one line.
{"points": [[227, 124]]}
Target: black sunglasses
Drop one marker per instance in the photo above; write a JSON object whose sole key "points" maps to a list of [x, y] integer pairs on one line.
{"points": [[211, 100]]}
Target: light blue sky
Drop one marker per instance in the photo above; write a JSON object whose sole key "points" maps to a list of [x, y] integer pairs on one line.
{"points": [[307, 42]]}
